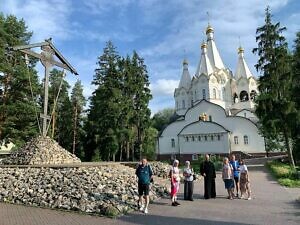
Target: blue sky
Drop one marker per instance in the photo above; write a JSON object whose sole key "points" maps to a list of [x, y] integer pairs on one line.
{"points": [[163, 32]]}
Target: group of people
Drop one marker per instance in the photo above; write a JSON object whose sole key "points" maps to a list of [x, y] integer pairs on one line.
{"points": [[234, 174]]}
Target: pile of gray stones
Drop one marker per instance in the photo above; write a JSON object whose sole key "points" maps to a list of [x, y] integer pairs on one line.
{"points": [[108, 190]]}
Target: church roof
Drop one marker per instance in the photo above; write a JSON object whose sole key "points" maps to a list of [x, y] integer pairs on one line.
{"points": [[242, 69], [204, 66], [185, 80], [212, 51]]}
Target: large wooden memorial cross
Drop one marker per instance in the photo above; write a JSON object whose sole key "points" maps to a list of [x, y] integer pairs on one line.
{"points": [[47, 58]]}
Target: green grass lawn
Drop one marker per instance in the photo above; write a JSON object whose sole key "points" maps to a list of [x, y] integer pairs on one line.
{"points": [[284, 173]]}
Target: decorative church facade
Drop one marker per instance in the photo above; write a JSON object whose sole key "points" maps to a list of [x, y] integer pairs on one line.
{"points": [[215, 109]]}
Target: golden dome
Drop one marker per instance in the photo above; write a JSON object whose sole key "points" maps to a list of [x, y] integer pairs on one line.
{"points": [[203, 45], [185, 62], [240, 50], [209, 29]]}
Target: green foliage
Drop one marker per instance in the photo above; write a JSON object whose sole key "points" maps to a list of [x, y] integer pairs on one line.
{"points": [[162, 118], [17, 108], [275, 109], [149, 143], [119, 115], [285, 174]]}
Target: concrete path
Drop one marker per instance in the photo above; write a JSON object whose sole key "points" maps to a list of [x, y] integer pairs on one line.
{"points": [[272, 204]]}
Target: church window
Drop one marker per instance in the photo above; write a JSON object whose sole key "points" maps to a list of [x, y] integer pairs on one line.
{"points": [[203, 94], [205, 138], [219, 137], [244, 96], [214, 93], [245, 114], [246, 140], [173, 142], [210, 118], [212, 137], [236, 140], [199, 138], [253, 95], [193, 138], [183, 104], [186, 139], [194, 157]]}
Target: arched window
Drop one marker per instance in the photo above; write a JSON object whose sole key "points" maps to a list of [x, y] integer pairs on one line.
{"points": [[235, 98], [210, 118], [246, 140], [203, 94], [193, 138], [214, 93], [244, 96], [183, 104], [205, 138], [186, 139], [223, 93], [253, 95], [236, 140], [219, 137], [212, 137], [199, 138], [173, 143]]}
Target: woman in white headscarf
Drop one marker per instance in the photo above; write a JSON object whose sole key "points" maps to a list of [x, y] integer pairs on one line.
{"points": [[188, 181], [175, 181]]}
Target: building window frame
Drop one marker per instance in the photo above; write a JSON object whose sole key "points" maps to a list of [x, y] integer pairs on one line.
{"points": [[173, 143], [236, 140], [246, 139], [195, 157]]}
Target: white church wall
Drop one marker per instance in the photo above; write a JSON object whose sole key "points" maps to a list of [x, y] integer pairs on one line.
{"points": [[204, 146]]}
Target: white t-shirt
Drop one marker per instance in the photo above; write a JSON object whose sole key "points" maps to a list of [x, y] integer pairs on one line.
{"points": [[243, 169], [188, 171]]}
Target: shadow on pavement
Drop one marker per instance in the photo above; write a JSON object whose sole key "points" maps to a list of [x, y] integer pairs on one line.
{"points": [[165, 220]]}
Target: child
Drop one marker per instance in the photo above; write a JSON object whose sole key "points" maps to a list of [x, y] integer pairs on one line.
{"points": [[244, 180]]}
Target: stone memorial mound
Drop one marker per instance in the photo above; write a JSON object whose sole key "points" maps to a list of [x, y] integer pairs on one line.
{"points": [[39, 151]]}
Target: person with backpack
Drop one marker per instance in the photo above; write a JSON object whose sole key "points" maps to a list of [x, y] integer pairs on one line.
{"points": [[144, 174]]}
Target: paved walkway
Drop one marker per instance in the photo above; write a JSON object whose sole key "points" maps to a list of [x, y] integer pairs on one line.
{"points": [[272, 204]]}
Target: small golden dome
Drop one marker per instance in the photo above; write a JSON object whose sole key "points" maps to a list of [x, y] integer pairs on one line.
{"points": [[203, 45], [240, 50], [209, 29]]}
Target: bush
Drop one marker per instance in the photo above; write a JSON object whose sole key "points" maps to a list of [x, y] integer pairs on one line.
{"points": [[285, 174]]}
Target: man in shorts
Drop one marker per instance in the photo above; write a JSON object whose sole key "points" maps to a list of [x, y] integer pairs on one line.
{"points": [[144, 174], [236, 173]]}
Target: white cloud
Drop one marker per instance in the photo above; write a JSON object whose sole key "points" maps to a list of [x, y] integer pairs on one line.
{"points": [[163, 87], [46, 18]]}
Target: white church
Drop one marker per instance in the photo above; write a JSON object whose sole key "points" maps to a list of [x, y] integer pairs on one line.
{"points": [[215, 109]]}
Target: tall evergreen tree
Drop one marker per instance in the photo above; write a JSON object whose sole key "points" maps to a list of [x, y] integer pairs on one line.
{"points": [[18, 110], [105, 107], [296, 95], [78, 103], [275, 109], [141, 98]]}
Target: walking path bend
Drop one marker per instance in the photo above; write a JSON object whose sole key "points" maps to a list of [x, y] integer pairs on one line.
{"points": [[272, 205]]}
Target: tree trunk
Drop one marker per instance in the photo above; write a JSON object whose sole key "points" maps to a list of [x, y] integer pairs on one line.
{"points": [[53, 125], [114, 157], [127, 151], [75, 128], [289, 146], [121, 151]]}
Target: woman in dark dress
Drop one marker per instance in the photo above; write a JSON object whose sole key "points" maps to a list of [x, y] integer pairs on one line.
{"points": [[208, 171]]}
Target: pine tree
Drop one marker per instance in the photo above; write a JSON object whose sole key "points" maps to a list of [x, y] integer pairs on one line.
{"points": [[275, 109], [105, 107], [78, 103], [141, 98], [295, 95], [18, 109]]}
